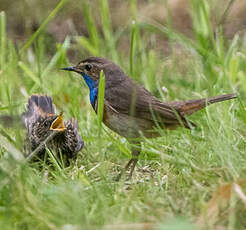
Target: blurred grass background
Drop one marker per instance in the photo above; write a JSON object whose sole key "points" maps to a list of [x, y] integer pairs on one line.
{"points": [[177, 50]]}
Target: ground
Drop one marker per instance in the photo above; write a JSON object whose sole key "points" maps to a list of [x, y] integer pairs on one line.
{"points": [[186, 179]]}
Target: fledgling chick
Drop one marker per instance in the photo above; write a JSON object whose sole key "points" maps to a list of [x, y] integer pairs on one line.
{"points": [[41, 122]]}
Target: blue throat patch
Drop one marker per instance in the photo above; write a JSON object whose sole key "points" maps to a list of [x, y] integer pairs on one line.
{"points": [[93, 87]]}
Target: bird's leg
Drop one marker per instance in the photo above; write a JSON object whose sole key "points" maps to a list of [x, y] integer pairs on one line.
{"points": [[134, 162], [124, 169], [135, 153], [128, 164], [131, 163]]}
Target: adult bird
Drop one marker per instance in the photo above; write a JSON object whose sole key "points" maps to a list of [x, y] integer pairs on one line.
{"points": [[131, 110]]}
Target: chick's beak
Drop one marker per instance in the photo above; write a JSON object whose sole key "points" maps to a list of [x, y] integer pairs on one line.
{"points": [[58, 124]]}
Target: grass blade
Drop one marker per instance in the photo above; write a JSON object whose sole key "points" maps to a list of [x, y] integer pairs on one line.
{"points": [[54, 160], [225, 14], [132, 48], [14, 152], [100, 104], [92, 29], [85, 43], [43, 25], [107, 29], [30, 73], [56, 57], [2, 39]]}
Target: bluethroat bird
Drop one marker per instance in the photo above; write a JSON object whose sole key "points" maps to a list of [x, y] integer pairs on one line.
{"points": [[131, 110], [42, 122]]}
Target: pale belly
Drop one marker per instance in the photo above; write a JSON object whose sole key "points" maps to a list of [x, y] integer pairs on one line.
{"points": [[129, 127]]}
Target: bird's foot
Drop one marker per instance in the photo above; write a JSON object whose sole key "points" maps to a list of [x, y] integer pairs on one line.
{"points": [[131, 163]]}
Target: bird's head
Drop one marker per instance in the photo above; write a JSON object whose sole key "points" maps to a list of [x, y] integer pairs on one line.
{"points": [[89, 68], [47, 124]]}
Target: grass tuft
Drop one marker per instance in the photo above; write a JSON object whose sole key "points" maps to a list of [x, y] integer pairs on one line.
{"points": [[186, 179]]}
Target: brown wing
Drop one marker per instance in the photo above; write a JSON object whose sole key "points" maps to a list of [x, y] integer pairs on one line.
{"points": [[127, 97], [73, 142]]}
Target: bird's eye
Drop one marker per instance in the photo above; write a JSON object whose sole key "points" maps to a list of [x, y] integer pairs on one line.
{"points": [[46, 123], [88, 67]]}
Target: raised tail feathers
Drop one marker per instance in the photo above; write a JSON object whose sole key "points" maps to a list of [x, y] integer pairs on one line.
{"points": [[38, 106], [43, 102]]}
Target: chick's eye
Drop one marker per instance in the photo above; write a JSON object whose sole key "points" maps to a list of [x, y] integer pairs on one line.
{"points": [[88, 67], [46, 123]]}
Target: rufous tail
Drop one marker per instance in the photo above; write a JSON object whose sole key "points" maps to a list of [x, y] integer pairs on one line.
{"points": [[191, 106]]}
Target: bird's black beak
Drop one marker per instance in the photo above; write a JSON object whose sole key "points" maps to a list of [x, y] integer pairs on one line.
{"points": [[72, 68]]}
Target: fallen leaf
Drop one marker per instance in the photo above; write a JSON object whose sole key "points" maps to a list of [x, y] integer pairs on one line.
{"points": [[220, 200]]}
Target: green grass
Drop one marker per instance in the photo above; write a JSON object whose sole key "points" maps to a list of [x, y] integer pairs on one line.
{"points": [[177, 174]]}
